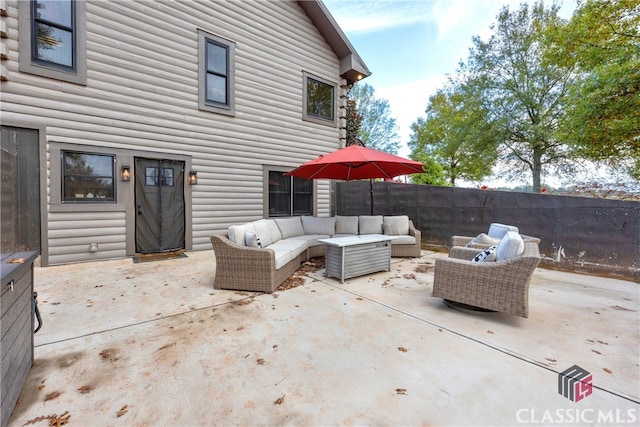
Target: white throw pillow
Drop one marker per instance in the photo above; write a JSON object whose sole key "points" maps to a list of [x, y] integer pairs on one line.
{"points": [[488, 255], [290, 227], [346, 224], [510, 246], [498, 230], [400, 222], [370, 224], [236, 233], [316, 225]]}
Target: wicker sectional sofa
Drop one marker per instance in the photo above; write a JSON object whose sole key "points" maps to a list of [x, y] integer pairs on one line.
{"points": [[260, 255]]}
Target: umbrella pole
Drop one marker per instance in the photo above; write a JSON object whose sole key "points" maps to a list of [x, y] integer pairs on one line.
{"points": [[371, 192]]}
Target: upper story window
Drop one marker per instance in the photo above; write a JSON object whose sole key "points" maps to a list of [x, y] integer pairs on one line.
{"points": [[53, 28], [52, 39], [319, 100], [216, 74], [88, 177]]}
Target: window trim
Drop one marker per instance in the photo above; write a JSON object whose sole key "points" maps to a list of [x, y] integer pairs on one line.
{"points": [[26, 32], [266, 171], [315, 119], [203, 104]]}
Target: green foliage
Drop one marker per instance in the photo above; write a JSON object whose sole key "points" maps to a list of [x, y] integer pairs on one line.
{"points": [[455, 134], [378, 129], [523, 89], [354, 122], [603, 109], [433, 172]]}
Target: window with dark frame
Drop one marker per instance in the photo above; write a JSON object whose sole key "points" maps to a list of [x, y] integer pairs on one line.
{"points": [[320, 99], [88, 177], [217, 70], [289, 195], [53, 33]]}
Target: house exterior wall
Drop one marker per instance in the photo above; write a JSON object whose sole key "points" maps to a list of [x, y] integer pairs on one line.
{"points": [[141, 100]]}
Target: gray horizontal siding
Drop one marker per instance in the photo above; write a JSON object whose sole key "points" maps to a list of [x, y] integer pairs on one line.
{"points": [[142, 94]]}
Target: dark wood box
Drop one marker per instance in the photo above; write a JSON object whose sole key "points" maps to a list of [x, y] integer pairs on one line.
{"points": [[16, 347]]}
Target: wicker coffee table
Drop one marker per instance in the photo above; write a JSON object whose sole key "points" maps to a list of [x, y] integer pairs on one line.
{"points": [[357, 255]]}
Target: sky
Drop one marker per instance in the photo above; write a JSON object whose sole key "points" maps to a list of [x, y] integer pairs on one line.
{"points": [[411, 46]]}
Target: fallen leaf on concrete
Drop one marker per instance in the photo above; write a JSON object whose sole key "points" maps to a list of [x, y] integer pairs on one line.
{"points": [[550, 359], [422, 268], [41, 386], [603, 342], [607, 370], [166, 346], [403, 349], [54, 419], [109, 354], [617, 307], [239, 328], [85, 389], [52, 395], [489, 331], [17, 261], [401, 391], [280, 400], [260, 361], [122, 411], [359, 299], [409, 276], [596, 351], [591, 341]]}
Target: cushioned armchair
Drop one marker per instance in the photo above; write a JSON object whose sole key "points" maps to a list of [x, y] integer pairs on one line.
{"points": [[498, 286], [493, 236]]}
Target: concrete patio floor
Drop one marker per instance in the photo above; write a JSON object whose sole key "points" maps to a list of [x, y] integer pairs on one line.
{"points": [[153, 344]]}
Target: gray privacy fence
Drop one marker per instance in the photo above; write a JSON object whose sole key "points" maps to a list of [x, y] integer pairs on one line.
{"points": [[597, 236]]}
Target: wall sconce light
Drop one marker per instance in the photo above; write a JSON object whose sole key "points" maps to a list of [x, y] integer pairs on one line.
{"points": [[126, 173], [193, 177]]}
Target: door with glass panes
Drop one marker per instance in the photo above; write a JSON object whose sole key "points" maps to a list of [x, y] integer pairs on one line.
{"points": [[159, 198]]}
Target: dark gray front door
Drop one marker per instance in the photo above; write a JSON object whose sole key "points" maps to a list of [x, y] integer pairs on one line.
{"points": [[160, 205]]}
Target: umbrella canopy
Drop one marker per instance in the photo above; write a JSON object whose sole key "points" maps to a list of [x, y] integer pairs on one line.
{"points": [[356, 162]]}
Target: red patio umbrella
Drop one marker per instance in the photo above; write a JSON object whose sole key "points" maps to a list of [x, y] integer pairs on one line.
{"points": [[356, 162]]}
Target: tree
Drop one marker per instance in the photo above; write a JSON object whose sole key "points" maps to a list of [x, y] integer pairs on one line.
{"points": [[378, 129], [523, 88], [455, 135], [603, 108], [433, 171], [354, 122]]}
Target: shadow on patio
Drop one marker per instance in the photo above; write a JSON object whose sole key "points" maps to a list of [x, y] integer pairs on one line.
{"points": [[155, 344]]}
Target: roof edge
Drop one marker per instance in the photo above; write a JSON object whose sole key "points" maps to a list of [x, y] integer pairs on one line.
{"points": [[352, 67]]}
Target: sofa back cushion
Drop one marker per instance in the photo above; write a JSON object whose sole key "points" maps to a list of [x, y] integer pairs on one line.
{"points": [[346, 224], [498, 230], [316, 225], [510, 246], [236, 233], [290, 227], [370, 224], [396, 225], [262, 230]]}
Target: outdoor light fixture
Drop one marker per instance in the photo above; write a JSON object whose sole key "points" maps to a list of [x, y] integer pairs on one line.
{"points": [[193, 177], [126, 173]]}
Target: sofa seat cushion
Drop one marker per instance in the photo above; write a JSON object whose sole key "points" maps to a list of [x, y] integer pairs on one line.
{"points": [[404, 240], [312, 239], [287, 249], [370, 224], [346, 225], [290, 227], [319, 225]]}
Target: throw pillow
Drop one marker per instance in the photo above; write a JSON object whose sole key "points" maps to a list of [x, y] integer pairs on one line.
{"points": [[261, 229], [488, 255], [510, 246], [390, 229], [319, 225], [252, 240]]}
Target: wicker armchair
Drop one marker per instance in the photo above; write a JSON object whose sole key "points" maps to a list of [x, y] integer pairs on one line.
{"points": [[498, 286]]}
